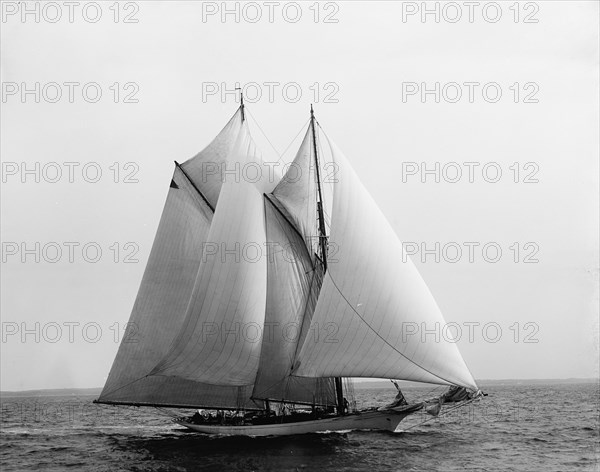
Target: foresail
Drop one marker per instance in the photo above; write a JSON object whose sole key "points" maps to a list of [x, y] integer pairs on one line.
{"points": [[220, 340], [292, 291], [160, 308], [377, 301]]}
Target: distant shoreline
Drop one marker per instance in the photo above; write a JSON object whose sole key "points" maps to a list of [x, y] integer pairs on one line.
{"points": [[360, 385], [51, 392]]}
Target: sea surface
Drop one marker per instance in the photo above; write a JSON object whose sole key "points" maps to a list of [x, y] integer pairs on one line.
{"points": [[518, 427]]}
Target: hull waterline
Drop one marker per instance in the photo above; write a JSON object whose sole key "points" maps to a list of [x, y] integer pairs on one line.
{"points": [[377, 420]]}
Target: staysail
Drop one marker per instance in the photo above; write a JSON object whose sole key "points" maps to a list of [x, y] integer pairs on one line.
{"points": [[377, 301], [293, 287]]}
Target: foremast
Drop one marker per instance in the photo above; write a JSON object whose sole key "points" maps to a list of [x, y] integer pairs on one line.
{"points": [[339, 392]]}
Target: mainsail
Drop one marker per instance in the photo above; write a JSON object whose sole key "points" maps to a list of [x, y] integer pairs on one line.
{"points": [[219, 341], [248, 297], [165, 291]]}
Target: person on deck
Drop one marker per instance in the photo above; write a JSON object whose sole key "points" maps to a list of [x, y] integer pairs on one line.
{"points": [[197, 418]]}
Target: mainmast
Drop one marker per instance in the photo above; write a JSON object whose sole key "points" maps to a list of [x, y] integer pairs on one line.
{"points": [[323, 243], [322, 232]]}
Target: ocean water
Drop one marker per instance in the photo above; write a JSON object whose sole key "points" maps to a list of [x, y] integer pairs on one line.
{"points": [[518, 427]]}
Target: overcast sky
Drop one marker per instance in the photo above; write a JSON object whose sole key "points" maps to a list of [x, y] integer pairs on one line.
{"points": [[370, 61]]}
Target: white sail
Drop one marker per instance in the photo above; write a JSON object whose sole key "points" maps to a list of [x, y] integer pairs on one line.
{"points": [[208, 168], [213, 166], [220, 340], [160, 308], [374, 297], [297, 190], [292, 291], [235, 307]]}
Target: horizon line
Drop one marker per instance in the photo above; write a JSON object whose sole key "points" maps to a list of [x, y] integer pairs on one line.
{"points": [[358, 380]]}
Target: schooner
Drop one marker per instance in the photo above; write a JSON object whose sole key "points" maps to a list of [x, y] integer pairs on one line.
{"points": [[262, 296]]}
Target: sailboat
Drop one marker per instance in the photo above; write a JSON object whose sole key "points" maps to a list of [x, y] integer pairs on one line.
{"points": [[264, 296]]}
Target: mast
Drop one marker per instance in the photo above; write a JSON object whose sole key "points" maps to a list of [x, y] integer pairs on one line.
{"points": [[242, 104], [323, 244], [322, 232]]}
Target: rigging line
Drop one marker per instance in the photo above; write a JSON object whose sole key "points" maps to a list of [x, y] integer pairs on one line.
{"points": [[335, 165], [429, 392], [279, 159], [330, 182], [279, 155], [165, 412], [377, 334], [294, 138], [327, 218], [264, 134], [126, 385], [327, 181], [433, 390], [441, 414]]}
